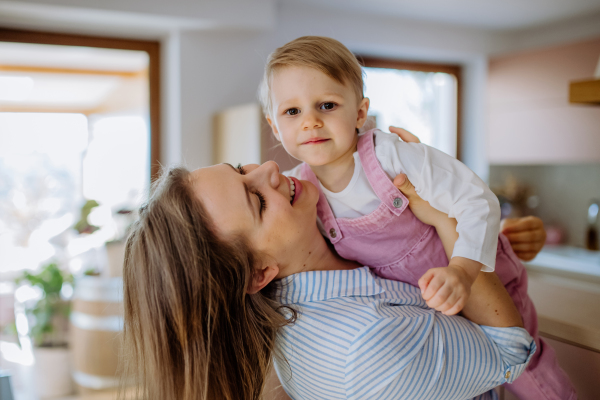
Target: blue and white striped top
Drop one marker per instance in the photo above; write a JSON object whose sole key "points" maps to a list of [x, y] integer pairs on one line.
{"points": [[358, 336]]}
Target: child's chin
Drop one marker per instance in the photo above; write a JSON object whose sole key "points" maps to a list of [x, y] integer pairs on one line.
{"points": [[317, 161]]}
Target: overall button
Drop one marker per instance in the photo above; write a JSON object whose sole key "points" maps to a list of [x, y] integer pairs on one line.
{"points": [[332, 233], [507, 376], [397, 202]]}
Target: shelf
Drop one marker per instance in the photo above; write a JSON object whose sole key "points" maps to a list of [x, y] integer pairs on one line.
{"points": [[585, 92]]}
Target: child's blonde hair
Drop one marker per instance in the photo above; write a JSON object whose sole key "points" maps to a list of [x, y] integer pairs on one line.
{"points": [[321, 53]]}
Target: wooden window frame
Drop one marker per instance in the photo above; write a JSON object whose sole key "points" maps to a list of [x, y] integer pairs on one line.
{"points": [[152, 48], [456, 70]]}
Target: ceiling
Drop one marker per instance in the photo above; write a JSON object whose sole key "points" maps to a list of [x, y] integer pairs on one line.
{"points": [[487, 14]]}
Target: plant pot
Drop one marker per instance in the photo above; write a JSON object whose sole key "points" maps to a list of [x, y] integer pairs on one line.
{"points": [[52, 372], [96, 327]]}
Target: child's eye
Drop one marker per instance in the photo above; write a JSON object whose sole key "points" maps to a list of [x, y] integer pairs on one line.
{"points": [[328, 106], [292, 111]]}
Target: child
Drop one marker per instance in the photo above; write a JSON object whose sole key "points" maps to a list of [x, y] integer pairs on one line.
{"points": [[312, 95]]}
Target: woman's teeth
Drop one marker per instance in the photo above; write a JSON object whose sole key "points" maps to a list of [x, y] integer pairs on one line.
{"points": [[292, 190]]}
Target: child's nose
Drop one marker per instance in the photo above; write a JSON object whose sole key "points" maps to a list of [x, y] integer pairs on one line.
{"points": [[311, 121]]}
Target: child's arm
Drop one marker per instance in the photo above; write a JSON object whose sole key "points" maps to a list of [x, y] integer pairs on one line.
{"points": [[451, 187], [489, 303], [446, 289]]}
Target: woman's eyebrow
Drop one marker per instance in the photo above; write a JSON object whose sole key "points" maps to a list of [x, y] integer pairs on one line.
{"points": [[232, 167], [252, 208]]}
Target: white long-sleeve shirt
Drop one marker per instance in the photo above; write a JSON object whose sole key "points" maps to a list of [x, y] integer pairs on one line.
{"points": [[446, 183]]}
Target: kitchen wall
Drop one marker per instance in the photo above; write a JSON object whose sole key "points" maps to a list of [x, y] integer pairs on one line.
{"points": [[564, 191], [541, 139], [530, 118]]}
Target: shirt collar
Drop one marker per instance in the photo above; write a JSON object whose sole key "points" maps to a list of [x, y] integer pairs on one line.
{"points": [[322, 285]]}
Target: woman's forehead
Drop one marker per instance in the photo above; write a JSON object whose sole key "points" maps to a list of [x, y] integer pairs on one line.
{"points": [[221, 191]]}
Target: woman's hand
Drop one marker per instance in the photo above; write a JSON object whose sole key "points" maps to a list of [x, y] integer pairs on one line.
{"points": [[526, 235], [421, 208], [405, 135]]}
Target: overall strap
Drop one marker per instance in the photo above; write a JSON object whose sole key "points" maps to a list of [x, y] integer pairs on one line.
{"points": [[380, 182], [323, 209]]}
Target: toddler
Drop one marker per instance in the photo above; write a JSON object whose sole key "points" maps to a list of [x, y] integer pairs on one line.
{"points": [[312, 96]]}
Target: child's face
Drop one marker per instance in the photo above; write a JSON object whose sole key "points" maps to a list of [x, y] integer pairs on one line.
{"points": [[315, 117]]}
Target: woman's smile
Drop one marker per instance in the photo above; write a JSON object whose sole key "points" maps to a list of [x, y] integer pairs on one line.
{"points": [[296, 189]]}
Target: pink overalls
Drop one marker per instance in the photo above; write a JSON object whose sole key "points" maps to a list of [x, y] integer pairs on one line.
{"points": [[398, 246]]}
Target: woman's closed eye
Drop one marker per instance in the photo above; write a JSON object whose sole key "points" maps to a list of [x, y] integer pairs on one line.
{"points": [[261, 197]]}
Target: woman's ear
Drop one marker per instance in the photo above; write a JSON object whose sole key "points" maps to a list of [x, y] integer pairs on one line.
{"points": [[261, 277], [363, 109], [273, 127]]}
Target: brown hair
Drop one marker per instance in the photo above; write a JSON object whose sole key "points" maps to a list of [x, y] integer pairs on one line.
{"points": [[321, 53], [191, 331]]}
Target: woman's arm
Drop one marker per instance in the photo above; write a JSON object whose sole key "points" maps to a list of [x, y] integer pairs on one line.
{"points": [[489, 303]]}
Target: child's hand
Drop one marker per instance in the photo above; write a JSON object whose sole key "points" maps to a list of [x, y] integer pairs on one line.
{"points": [[447, 289]]}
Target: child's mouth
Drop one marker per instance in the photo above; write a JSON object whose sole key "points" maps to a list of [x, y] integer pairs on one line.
{"points": [[315, 141]]}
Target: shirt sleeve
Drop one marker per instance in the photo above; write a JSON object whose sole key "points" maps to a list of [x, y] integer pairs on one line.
{"points": [[451, 187], [434, 357]]}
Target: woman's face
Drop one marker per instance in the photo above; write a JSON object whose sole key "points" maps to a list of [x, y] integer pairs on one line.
{"points": [[257, 203]]}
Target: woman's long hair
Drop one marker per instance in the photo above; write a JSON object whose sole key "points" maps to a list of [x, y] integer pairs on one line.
{"points": [[191, 330]]}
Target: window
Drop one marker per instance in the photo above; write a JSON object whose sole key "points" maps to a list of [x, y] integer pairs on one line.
{"points": [[422, 98], [79, 121]]}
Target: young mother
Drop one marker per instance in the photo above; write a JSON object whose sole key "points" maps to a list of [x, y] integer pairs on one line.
{"points": [[223, 259]]}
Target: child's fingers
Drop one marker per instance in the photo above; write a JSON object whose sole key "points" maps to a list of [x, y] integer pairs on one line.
{"points": [[433, 287], [424, 280], [440, 297], [449, 302], [457, 307]]}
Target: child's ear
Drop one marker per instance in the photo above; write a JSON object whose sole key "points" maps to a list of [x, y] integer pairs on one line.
{"points": [[273, 127], [363, 109], [261, 277]]}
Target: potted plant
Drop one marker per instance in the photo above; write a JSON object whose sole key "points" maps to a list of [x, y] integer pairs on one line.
{"points": [[48, 321]]}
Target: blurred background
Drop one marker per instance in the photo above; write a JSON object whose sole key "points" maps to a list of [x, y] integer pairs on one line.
{"points": [[96, 96]]}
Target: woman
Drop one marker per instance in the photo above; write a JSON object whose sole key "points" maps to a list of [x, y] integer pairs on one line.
{"points": [[200, 271]]}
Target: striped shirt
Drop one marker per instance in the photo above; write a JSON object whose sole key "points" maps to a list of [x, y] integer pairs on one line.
{"points": [[358, 336]]}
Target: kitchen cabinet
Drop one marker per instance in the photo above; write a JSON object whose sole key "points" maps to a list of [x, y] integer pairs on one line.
{"points": [[585, 92], [569, 320]]}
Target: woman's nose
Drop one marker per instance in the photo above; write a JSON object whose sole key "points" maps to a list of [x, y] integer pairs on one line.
{"points": [[268, 171]]}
